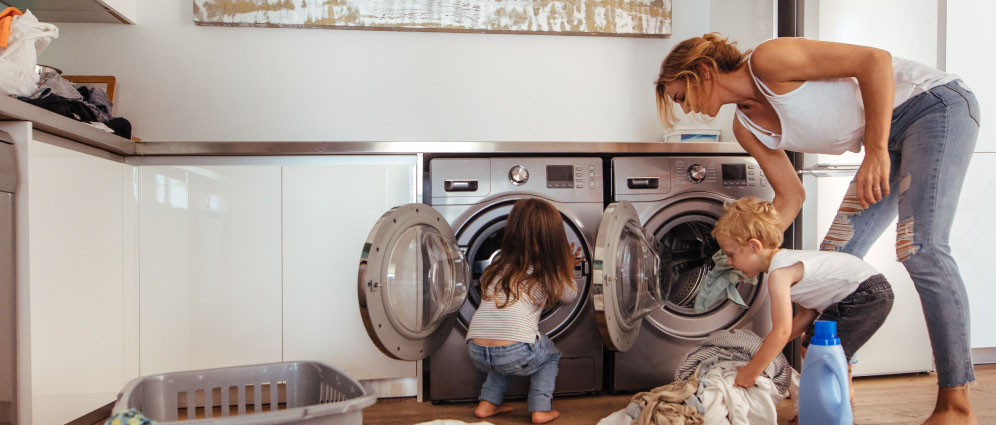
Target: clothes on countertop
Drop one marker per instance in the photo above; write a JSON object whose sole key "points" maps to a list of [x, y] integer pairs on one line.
{"points": [[88, 105], [6, 18], [827, 277], [665, 405], [28, 39], [735, 345], [720, 281]]}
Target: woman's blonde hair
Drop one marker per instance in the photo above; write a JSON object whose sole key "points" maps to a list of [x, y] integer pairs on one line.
{"points": [[683, 63], [534, 239], [750, 218]]}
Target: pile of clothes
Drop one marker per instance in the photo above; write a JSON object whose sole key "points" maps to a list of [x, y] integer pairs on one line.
{"points": [[82, 104], [703, 390]]}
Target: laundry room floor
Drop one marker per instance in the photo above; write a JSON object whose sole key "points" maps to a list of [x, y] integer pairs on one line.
{"points": [[895, 399]]}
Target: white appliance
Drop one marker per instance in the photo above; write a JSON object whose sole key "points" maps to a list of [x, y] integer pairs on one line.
{"points": [[826, 179]]}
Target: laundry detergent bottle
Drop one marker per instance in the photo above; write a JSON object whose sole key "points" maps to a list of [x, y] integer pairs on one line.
{"points": [[824, 395]]}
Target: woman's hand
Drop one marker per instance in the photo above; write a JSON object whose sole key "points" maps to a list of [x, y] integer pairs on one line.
{"points": [[872, 181], [576, 254]]}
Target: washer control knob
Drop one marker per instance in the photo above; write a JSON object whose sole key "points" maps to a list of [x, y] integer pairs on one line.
{"points": [[518, 175], [696, 173]]}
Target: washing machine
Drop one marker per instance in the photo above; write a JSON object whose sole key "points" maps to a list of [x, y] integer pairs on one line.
{"points": [[677, 200], [419, 280]]}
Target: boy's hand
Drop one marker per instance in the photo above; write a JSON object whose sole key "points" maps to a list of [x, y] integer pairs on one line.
{"points": [[745, 377], [576, 253]]}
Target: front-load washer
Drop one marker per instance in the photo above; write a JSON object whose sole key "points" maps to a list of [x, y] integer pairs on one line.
{"points": [[677, 200], [420, 269]]}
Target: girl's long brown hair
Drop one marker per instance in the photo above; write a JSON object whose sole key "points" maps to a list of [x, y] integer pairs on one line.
{"points": [[683, 64], [534, 237]]}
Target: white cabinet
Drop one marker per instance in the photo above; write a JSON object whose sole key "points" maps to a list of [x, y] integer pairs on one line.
{"points": [[971, 246], [210, 266], [93, 11], [329, 210], [72, 280]]}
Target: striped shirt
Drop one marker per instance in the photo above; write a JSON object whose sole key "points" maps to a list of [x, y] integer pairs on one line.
{"points": [[518, 321]]}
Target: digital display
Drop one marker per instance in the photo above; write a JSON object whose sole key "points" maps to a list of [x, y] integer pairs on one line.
{"points": [[559, 173], [735, 173]]}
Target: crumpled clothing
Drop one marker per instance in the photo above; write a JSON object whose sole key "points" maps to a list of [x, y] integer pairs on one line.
{"points": [[736, 345], [726, 404], [129, 417], [52, 82], [720, 281], [28, 38], [664, 405]]}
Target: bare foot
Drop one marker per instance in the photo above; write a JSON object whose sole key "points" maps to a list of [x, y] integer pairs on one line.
{"points": [[952, 408], [545, 417], [486, 408]]}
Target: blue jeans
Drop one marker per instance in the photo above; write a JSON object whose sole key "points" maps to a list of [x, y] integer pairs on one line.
{"points": [[537, 360], [930, 145]]}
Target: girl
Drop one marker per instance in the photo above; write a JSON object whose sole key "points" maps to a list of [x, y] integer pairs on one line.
{"points": [[533, 271], [918, 127]]}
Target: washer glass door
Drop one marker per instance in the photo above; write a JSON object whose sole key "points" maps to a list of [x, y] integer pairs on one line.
{"points": [[627, 284], [412, 281]]}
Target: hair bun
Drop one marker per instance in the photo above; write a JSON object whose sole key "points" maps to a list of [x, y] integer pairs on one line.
{"points": [[715, 37]]}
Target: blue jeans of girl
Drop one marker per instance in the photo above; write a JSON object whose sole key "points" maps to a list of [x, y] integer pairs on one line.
{"points": [[930, 145], [537, 360]]}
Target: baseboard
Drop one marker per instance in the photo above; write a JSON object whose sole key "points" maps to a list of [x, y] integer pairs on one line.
{"points": [[984, 355], [392, 387]]}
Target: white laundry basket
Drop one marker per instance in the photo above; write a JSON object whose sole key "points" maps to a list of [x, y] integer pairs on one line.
{"points": [[301, 392]]}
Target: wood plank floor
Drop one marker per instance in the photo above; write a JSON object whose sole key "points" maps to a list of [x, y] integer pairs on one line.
{"points": [[897, 399]]}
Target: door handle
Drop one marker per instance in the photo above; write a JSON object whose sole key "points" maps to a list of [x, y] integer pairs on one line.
{"points": [[643, 182], [460, 185]]}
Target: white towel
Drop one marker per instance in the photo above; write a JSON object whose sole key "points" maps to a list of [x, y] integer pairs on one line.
{"points": [[726, 404]]}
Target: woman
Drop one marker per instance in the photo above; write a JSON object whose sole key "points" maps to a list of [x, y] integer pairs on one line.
{"points": [[917, 125]]}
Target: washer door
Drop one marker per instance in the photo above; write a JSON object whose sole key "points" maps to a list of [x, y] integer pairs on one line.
{"points": [[627, 284], [412, 281]]}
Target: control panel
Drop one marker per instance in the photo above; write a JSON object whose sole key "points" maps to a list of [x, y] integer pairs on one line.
{"points": [[565, 179]]}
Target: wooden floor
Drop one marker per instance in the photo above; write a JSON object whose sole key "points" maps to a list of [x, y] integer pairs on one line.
{"points": [[898, 399]]}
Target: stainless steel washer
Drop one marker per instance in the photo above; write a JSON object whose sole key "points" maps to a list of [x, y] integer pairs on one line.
{"points": [[419, 286], [678, 200]]}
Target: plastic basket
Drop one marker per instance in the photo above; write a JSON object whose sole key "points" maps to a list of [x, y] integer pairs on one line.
{"points": [[276, 393]]}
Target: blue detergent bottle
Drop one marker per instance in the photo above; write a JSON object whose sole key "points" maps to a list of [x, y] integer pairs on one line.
{"points": [[824, 395]]}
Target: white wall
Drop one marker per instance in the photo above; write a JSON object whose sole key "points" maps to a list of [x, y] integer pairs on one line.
{"points": [[182, 82]]}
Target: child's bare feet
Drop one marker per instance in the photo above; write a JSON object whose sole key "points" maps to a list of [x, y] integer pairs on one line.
{"points": [[544, 417], [486, 408]]}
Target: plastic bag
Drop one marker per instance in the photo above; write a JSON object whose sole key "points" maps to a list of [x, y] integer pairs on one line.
{"points": [[28, 38]]}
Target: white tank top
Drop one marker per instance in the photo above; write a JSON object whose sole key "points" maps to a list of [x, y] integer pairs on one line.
{"points": [[828, 116], [827, 277]]}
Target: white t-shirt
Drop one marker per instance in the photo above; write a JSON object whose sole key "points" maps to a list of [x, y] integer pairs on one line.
{"points": [[827, 277]]}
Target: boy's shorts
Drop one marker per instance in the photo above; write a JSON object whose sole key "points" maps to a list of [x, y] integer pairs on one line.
{"points": [[858, 315]]}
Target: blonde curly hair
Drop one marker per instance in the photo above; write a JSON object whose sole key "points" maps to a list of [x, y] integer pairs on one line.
{"points": [[750, 218]]}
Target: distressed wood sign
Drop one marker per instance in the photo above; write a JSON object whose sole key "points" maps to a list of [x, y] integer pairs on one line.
{"points": [[634, 18]]}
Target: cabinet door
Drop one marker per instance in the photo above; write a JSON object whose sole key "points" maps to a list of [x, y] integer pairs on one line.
{"points": [[209, 266], [74, 281], [971, 245], [329, 210]]}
